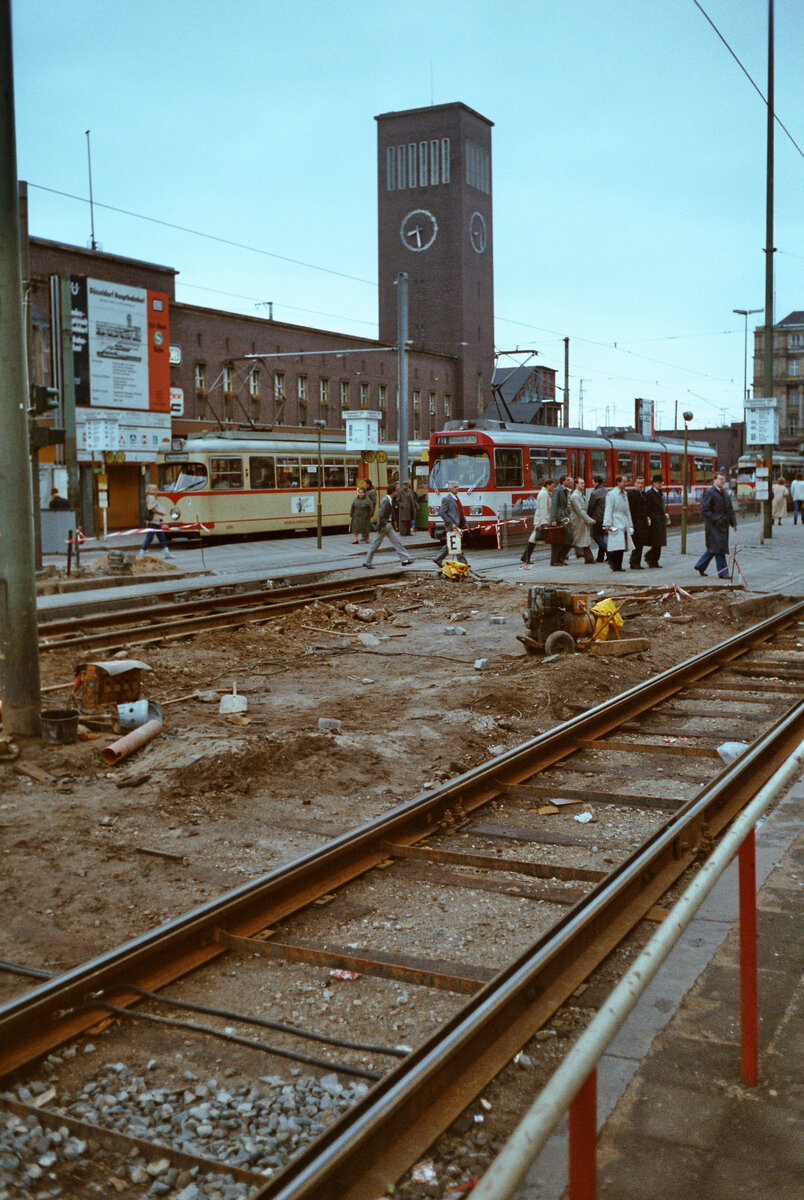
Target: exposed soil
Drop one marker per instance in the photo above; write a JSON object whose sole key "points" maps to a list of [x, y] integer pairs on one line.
{"points": [[88, 864]]}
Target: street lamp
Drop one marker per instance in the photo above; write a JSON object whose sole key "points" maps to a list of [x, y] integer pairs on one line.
{"points": [[319, 425], [684, 477], [745, 312]]}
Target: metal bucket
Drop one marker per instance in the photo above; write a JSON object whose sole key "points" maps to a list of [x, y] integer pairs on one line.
{"points": [[59, 726], [132, 715]]}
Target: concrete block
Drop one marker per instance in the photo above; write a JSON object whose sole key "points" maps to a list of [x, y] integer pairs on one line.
{"points": [[496, 620], [455, 631], [330, 724], [481, 664]]}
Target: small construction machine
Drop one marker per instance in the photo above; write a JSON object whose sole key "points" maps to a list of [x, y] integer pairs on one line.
{"points": [[560, 622]]}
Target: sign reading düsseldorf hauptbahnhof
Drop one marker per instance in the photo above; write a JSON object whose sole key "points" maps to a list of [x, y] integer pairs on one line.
{"points": [[120, 346]]}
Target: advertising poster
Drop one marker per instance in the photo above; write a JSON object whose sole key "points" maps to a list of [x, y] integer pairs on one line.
{"points": [[120, 346]]}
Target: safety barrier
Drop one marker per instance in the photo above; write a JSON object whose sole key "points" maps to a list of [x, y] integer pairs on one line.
{"points": [[574, 1085]]}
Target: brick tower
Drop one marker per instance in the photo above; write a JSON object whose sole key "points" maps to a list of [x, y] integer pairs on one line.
{"points": [[434, 210]]}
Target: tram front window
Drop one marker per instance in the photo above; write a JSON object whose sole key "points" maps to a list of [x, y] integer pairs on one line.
{"points": [[469, 471], [182, 477]]}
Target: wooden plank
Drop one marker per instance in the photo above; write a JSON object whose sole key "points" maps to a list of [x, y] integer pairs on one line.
{"points": [[538, 791], [620, 646], [646, 748]]}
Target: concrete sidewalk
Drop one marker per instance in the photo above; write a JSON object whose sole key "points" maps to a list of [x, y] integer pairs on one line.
{"points": [[675, 1120]]}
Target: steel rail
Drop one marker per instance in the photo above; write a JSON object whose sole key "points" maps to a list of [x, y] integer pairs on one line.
{"points": [[156, 629], [32, 1024], [244, 599]]}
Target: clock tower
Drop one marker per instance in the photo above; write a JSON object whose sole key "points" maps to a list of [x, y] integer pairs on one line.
{"points": [[434, 210]]}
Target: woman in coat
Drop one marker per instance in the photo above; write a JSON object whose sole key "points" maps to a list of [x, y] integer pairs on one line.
{"points": [[360, 515], [780, 494], [581, 523], [617, 523]]}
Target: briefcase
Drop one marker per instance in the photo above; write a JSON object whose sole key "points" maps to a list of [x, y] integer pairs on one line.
{"points": [[556, 535]]}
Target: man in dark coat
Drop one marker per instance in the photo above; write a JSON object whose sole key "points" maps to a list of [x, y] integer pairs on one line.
{"points": [[639, 520], [657, 526], [559, 515], [596, 507], [718, 513], [451, 513]]}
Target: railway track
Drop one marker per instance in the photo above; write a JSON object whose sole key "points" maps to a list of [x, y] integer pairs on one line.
{"points": [[140, 625], [650, 751]]}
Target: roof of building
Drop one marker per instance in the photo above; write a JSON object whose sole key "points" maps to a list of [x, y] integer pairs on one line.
{"points": [[100, 254], [794, 318]]}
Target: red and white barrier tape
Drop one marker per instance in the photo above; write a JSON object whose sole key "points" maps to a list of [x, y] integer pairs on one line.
{"points": [[80, 537]]}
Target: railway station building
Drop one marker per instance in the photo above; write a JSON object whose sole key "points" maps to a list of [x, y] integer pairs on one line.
{"points": [[788, 377], [147, 366]]}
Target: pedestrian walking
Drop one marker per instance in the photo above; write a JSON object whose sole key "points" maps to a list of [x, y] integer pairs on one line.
{"points": [[596, 507], [797, 492], [580, 523], [617, 523], [541, 519], [360, 515], [385, 529], [371, 493], [559, 517], [657, 522], [780, 494], [407, 508], [154, 516], [451, 513], [639, 523], [718, 514]]}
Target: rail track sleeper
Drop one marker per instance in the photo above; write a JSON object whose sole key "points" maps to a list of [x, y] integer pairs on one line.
{"points": [[493, 862]]}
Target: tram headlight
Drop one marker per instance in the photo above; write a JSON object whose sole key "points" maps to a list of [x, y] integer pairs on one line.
{"points": [[476, 510], [175, 513]]}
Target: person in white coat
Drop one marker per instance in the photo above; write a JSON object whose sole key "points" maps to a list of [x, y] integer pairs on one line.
{"points": [[541, 518], [581, 523], [617, 523]]}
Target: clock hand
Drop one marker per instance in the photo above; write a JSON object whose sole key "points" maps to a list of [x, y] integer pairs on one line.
{"points": [[417, 234]]}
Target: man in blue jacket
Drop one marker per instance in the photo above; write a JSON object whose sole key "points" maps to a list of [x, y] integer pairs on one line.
{"points": [[718, 513]]}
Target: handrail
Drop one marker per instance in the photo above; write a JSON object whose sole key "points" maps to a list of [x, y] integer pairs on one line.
{"points": [[508, 1169]]}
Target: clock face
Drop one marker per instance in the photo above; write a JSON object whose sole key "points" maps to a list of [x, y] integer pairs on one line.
{"points": [[477, 232], [418, 230]]}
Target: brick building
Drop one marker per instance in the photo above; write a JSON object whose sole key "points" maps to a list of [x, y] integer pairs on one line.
{"points": [[153, 366]]}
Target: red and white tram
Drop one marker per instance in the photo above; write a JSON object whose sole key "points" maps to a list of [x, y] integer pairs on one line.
{"points": [[500, 467]]}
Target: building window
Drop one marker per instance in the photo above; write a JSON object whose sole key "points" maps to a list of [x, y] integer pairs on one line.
{"points": [[323, 393], [417, 401], [279, 394], [477, 167], [382, 396], [201, 378], [254, 383], [447, 405], [344, 394], [479, 391], [797, 339], [432, 404], [401, 152], [301, 389], [383, 432], [228, 380], [364, 395], [445, 160], [795, 366], [390, 168], [417, 431], [434, 174], [411, 164], [423, 169]]}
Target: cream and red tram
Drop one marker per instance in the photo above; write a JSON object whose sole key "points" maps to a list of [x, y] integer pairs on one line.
{"points": [[242, 482], [500, 467]]}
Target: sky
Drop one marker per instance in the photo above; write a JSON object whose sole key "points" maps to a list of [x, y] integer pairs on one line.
{"points": [[628, 159]]}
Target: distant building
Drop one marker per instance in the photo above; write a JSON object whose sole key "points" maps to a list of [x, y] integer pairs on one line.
{"points": [[788, 355], [526, 394], [727, 440]]}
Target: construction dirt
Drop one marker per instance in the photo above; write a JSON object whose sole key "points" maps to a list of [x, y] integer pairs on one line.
{"points": [[95, 855]]}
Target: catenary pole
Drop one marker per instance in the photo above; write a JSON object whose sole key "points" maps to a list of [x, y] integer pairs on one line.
{"points": [[19, 649], [767, 451], [566, 382], [402, 354]]}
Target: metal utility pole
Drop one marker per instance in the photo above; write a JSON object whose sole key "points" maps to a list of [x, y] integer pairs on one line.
{"points": [[745, 312], [68, 398], [19, 646], [402, 357], [767, 451], [566, 382], [91, 201]]}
